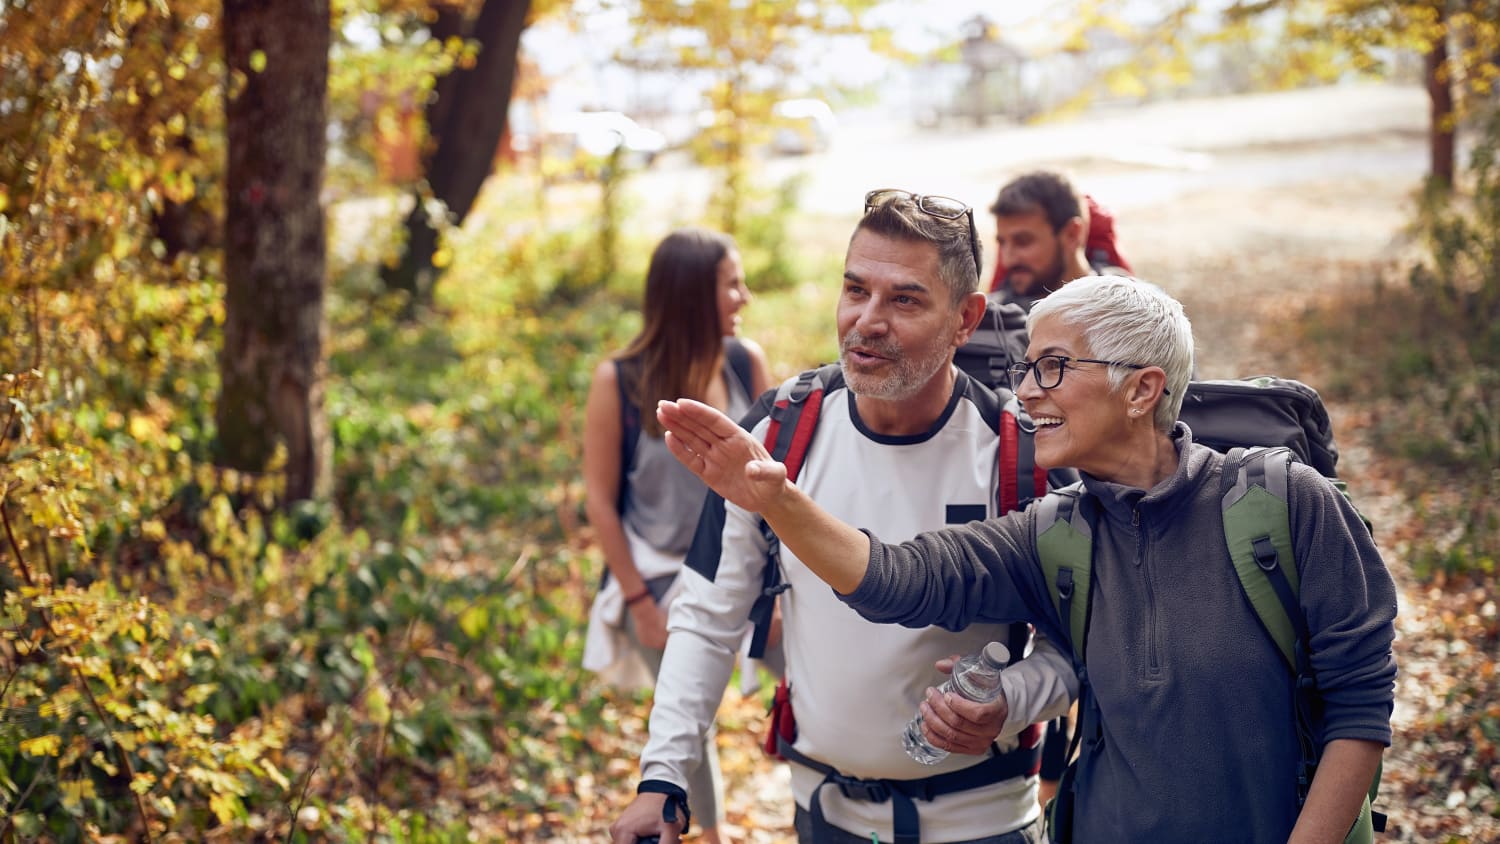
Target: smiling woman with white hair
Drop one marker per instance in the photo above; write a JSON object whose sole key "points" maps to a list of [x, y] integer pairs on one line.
{"points": [[1188, 729]]}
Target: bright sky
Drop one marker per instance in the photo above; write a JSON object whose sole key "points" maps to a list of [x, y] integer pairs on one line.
{"points": [[581, 79], [582, 75]]}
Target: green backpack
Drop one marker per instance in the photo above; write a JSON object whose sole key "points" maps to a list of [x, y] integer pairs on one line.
{"points": [[1257, 529]]}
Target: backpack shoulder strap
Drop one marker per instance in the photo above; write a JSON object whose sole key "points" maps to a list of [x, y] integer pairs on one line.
{"points": [[794, 416], [737, 356], [1021, 479], [1065, 545], [630, 428], [1257, 530], [794, 419]]}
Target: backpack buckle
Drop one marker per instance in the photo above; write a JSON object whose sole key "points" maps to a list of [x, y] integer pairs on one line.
{"points": [[1065, 583], [803, 387], [773, 591], [872, 791], [1265, 553]]}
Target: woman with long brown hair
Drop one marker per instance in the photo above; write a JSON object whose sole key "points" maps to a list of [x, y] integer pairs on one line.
{"points": [[642, 503]]}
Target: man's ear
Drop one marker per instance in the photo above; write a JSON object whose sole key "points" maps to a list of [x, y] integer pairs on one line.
{"points": [[1073, 233], [972, 311]]}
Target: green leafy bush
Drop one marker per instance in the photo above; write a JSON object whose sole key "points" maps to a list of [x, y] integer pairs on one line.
{"points": [[1428, 352]]}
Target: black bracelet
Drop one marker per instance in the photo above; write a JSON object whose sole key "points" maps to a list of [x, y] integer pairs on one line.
{"points": [[636, 599], [676, 799]]}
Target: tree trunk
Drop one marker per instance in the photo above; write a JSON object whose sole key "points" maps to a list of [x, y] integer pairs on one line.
{"points": [[272, 364], [465, 119], [1439, 79]]}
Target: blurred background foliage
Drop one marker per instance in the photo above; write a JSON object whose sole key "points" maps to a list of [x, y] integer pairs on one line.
{"points": [[186, 654]]}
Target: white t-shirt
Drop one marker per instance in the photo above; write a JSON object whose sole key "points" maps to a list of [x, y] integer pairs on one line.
{"points": [[855, 684]]}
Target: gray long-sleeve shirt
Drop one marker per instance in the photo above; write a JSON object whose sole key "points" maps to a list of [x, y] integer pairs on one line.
{"points": [[1198, 740]]}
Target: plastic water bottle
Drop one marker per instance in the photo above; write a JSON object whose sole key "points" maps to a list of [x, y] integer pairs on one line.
{"points": [[975, 677]]}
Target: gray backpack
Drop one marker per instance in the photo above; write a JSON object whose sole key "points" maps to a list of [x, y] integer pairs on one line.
{"points": [[1262, 410]]}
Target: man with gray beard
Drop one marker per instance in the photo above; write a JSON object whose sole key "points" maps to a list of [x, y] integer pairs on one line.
{"points": [[906, 443]]}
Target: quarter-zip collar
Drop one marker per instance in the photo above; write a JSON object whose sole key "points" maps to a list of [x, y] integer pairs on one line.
{"points": [[1124, 503]]}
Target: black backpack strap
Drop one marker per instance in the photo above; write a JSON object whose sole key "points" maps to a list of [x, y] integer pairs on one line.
{"points": [[771, 585], [1065, 547], [905, 821], [1257, 530], [794, 420], [630, 428], [737, 356]]}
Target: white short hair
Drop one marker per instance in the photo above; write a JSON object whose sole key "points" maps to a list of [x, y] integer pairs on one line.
{"points": [[1129, 320]]}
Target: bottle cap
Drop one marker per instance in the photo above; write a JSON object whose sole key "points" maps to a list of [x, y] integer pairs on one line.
{"points": [[996, 653]]}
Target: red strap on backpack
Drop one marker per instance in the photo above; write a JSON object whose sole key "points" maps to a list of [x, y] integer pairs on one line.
{"points": [[783, 724], [805, 423], [1010, 470]]}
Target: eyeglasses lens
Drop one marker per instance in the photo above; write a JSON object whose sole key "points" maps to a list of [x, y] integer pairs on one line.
{"points": [[1047, 369], [942, 206], [881, 197]]}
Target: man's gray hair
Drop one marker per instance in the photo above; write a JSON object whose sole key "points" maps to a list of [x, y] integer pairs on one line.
{"points": [[1128, 320], [900, 219]]}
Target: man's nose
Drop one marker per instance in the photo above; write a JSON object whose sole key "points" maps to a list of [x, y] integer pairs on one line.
{"points": [[872, 319]]}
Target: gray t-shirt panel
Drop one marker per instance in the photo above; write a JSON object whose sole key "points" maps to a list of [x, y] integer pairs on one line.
{"points": [[663, 498]]}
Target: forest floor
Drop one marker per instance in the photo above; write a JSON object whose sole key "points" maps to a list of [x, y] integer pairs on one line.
{"points": [[1246, 262]]}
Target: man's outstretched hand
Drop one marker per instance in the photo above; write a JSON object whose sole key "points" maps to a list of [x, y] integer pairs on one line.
{"points": [[722, 454], [736, 466]]}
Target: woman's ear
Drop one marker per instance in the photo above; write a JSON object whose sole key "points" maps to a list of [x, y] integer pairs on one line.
{"points": [[1149, 386]]}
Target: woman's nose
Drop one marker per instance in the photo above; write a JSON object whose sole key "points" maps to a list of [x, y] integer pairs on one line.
{"points": [[1028, 388]]}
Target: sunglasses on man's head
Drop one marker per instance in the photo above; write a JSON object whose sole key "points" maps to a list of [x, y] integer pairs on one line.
{"points": [[942, 207]]}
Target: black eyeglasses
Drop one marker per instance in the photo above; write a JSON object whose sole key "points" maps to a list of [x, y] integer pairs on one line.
{"points": [[1048, 370], [943, 207]]}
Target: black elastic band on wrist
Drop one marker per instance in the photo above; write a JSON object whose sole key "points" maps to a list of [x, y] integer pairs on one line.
{"points": [[676, 799], [637, 598]]}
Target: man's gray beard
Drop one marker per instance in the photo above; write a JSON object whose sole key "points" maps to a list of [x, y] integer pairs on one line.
{"points": [[909, 377]]}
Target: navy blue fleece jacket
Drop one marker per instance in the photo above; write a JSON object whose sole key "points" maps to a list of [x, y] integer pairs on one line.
{"points": [[1198, 742]]}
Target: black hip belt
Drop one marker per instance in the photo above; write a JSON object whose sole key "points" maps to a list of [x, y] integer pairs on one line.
{"points": [[1020, 762]]}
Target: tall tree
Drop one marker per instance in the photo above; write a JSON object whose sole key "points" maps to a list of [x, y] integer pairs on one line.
{"points": [[272, 364], [465, 119], [1439, 79]]}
